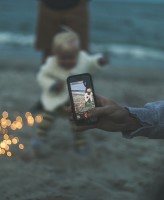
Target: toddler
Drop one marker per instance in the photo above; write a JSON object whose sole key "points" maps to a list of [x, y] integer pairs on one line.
{"points": [[67, 60]]}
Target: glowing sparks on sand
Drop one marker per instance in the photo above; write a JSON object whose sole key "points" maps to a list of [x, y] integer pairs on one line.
{"points": [[9, 154], [14, 141], [38, 119], [5, 114], [21, 146], [7, 124]]}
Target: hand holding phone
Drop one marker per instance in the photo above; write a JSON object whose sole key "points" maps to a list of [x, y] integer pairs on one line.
{"points": [[82, 98], [104, 60]]}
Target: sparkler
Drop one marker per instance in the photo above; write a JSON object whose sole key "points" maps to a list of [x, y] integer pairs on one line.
{"points": [[7, 124]]}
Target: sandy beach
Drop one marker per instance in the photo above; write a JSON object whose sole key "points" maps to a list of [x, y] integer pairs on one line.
{"points": [[115, 169]]}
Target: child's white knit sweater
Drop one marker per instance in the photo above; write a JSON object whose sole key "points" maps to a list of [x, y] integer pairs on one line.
{"points": [[51, 72]]}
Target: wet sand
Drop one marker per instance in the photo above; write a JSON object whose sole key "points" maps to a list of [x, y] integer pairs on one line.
{"points": [[115, 169]]}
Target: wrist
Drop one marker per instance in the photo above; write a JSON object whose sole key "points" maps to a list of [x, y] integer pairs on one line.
{"points": [[131, 122], [54, 87], [100, 62]]}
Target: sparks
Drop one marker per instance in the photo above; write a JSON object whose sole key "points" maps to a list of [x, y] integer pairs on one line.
{"points": [[7, 125]]}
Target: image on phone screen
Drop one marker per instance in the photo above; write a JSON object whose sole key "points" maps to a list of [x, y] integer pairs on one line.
{"points": [[83, 98]]}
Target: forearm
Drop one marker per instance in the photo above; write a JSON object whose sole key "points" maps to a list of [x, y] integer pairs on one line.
{"points": [[131, 123]]}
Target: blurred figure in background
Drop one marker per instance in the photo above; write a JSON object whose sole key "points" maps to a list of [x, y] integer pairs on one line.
{"points": [[67, 60], [56, 13]]}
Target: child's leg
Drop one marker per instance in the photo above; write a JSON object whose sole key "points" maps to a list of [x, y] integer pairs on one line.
{"points": [[46, 124], [80, 143], [40, 142]]}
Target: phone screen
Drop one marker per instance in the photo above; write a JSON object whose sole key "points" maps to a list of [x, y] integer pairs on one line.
{"points": [[82, 96]]}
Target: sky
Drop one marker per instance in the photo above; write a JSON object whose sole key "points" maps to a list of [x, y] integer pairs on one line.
{"points": [[78, 86]]}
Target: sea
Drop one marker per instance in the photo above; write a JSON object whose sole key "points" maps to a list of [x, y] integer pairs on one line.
{"points": [[131, 31]]}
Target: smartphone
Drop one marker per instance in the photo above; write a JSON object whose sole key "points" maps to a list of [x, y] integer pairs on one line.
{"points": [[82, 98]]}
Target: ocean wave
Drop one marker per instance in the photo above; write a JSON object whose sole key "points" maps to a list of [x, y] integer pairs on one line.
{"points": [[138, 52], [7, 38]]}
